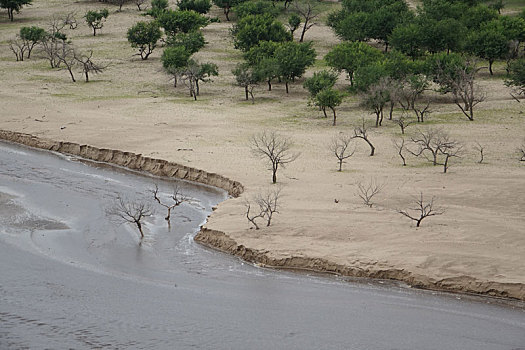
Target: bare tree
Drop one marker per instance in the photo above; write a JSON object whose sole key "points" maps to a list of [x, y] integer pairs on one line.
{"points": [[421, 111], [481, 149], [176, 199], [252, 217], [400, 146], [361, 132], [67, 56], [70, 20], [339, 146], [368, 190], [19, 47], [309, 13], [403, 122], [129, 211], [275, 148], [467, 94], [88, 66], [427, 141], [376, 97], [268, 203], [422, 209], [449, 148]]}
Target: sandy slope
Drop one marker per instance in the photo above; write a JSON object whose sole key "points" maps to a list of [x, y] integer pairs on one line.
{"points": [[132, 107]]}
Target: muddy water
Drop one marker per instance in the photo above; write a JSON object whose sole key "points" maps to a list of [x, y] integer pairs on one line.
{"points": [[72, 279]]}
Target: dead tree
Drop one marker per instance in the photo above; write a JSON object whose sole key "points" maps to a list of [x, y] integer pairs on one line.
{"points": [[466, 93], [70, 20], [422, 210], [268, 203], [177, 198], [19, 47], [88, 66], [421, 111], [133, 212], [367, 191], [449, 149], [400, 146], [481, 149], [339, 146], [275, 148], [67, 56], [252, 217], [403, 123], [361, 132], [427, 142], [309, 13]]}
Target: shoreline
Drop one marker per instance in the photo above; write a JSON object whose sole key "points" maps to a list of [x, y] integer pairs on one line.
{"points": [[221, 241]]}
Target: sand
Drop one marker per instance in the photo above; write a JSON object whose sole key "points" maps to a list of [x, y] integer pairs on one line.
{"points": [[477, 245]]}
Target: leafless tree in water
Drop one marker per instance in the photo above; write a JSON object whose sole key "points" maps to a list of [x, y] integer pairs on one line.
{"points": [[130, 211], [176, 199]]}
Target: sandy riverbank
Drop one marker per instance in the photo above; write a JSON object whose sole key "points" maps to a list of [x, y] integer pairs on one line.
{"points": [[287, 253]]}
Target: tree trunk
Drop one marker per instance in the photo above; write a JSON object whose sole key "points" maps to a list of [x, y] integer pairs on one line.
{"points": [[94, 31], [246, 92], [372, 148], [335, 117], [87, 76], [286, 84], [139, 225], [391, 110], [377, 119], [303, 31], [197, 86], [71, 73], [227, 13], [169, 214], [490, 66], [419, 222], [340, 165], [269, 85]]}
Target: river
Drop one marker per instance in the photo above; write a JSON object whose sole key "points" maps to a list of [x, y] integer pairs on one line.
{"points": [[72, 278]]}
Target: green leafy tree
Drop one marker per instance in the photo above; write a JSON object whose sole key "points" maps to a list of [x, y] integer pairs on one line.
{"points": [[328, 98], [372, 19], [31, 37], [475, 16], [96, 19], [489, 44], [192, 41], [443, 35], [407, 39], [321, 80], [144, 36], [226, 6], [199, 6], [267, 69], [366, 76], [293, 59], [13, 6], [294, 21], [442, 68], [174, 59], [246, 78], [252, 29], [516, 77], [258, 7], [263, 50], [175, 22], [158, 7], [349, 56]]}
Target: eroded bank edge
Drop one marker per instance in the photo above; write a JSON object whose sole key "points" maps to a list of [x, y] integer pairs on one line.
{"points": [[462, 284], [222, 242], [158, 167]]}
